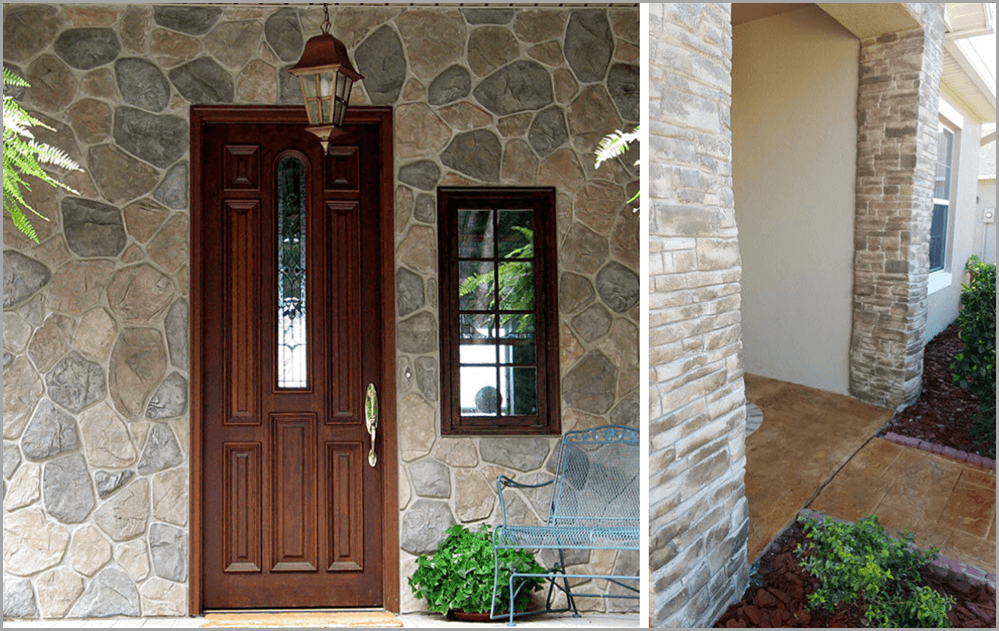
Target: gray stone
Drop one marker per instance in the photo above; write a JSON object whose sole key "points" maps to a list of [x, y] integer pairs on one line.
{"points": [[21, 389], [23, 276], [27, 30], [591, 384], [627, 412], [50, 432], [583, 250], [66, 489], [488, 16], [452, 85], [138, 362], [111, 593], [289, 88], [175, 327], [162, 450], [426, 208], [618, 287], [424, 525], [125, 516], [426, 377], [8, 359], [382, 61], [233, 43], [517, 87], [108, 482], [172, 193], [624, 85], [18, 599], [142, 84], [168, 548], [170, 399], [119, 177], [157, 139], [520, 453], [548, 131], [139, 294], [11, 458], [284, 34], [476, 153], [574, 292], [409, 292], [593, 323], [431, 479], [92, 228], [418, 334], [75, 382], [87, 48], [589, 44], [491, 47], [424, 175], [203, 81], [190, 20]]}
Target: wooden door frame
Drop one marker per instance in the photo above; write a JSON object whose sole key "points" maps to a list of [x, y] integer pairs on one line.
{"points": [[382, 117]]}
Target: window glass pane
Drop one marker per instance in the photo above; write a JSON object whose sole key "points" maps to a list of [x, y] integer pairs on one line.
{"points": [[479, 391], [516, 280], [945, 160], [292, 345], [475, 234], [519, 391], [475, 286], [516, 234], [518, 333], [938, 235], [478, 339]]}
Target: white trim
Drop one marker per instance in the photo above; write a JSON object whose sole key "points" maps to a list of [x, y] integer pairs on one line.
{"points": [[952, 115], [939, 280]]}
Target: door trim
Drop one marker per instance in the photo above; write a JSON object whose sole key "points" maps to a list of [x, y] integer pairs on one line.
{"points": [[382, 117]]}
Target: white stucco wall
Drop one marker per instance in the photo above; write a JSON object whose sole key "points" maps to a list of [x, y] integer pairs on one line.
{"points": [[794, 137], [987, 199], [965, 229]]}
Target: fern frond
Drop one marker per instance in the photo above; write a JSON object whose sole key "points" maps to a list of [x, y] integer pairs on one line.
{"points": [[615, 144]]}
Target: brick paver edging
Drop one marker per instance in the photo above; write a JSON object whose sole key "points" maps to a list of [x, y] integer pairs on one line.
{"points": [[942, 566], [948, 452]]}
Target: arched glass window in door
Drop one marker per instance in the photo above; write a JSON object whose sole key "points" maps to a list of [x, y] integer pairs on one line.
{"points": [[292, 342]]}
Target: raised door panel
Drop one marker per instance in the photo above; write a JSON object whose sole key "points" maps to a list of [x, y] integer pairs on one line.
{"points": [[241, 499], [294, 522]]}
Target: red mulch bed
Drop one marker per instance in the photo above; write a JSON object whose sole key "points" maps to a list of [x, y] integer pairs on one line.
{"points": [[781, 601], [944, 412]]}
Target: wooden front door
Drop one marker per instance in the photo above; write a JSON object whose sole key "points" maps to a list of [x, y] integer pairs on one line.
{"points": [[291, 342]]}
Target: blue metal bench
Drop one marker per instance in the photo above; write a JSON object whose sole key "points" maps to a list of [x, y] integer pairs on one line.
{"points": [[594, 506]]}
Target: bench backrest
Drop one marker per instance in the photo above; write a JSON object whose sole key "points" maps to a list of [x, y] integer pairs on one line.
{"points": [[597, 479]]}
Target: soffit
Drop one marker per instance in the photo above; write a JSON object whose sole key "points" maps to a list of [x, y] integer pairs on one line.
{"points": [[743, 12], [868, 19]]}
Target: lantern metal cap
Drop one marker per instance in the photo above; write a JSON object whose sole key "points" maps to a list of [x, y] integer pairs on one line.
{"points": [[325, 52]]}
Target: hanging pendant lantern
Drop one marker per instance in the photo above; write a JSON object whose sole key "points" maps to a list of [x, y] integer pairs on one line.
{"points": [[326, 76]]}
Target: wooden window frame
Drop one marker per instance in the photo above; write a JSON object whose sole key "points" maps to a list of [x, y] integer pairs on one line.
{"points": [[542, 201]]}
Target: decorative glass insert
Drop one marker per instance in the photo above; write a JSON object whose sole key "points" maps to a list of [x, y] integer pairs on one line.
{"points": [[292, 332]]}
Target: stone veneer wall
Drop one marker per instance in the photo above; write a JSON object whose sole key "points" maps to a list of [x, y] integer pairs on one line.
{"points": [[96, 425], [698, 513], [897, 114]]}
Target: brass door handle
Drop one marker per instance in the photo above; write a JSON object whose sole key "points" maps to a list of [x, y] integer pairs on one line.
{"points": [[371, 420]]}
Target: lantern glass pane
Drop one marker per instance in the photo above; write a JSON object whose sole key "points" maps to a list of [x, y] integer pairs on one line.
{"points": [[312, 107], [309, 85], [338, 112], [327, 114], [326, 82]]}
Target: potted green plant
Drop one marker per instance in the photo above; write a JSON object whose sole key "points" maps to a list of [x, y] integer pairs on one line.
{"points": [[458, 578]]}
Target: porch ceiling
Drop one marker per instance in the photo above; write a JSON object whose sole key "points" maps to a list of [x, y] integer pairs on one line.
{"points": [[871, 19]]}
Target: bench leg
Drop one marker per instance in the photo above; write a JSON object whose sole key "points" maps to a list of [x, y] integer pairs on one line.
{"points": [[565, 581]]}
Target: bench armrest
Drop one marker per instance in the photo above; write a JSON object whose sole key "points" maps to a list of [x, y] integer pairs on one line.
{"points": [[503, 482]]}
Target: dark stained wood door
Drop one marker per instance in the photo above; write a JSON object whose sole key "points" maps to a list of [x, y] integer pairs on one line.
{"points": [[291, 339]]}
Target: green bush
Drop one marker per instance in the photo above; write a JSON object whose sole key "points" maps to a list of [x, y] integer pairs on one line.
{"points": [[460, 574], [861, 563], [975, 365]]}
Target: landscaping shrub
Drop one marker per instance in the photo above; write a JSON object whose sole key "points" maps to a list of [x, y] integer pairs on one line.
{"points": [[975, 366], [861, 563]]}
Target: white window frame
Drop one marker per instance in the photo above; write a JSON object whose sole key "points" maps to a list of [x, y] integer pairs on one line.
{"points": [[950, 121]]}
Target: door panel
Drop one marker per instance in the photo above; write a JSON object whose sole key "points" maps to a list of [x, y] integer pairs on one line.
{"points": [[291, 509]]}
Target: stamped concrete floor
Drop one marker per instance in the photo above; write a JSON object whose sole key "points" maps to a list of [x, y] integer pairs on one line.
{"points": [[806, 437], [944, 503]]}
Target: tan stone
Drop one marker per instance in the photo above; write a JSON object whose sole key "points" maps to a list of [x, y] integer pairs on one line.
{"points": [[95, 334], [597, 203], [91, 120], [405, 491], [57, 590], [34, 310], [418, 131], [126, 514], [138, 430], [90, 551], [624, 22], [418, 427], [624, 237], [43, 199], [16, 332], [358, 96], [77, 286], [403, 207], [99, 83], [31, 543], [25, 487], [21, 389], [407, 566], [621, 345], [592, 115], [51, 341], [81, 182], [573, 419], [490, 48], [184, 280], [456, 179], [465, 116], [419, 250], [549, 53], [182, 428], [352, 24], [105, 438], [413, 91], [132, 254], [520, 165], [434, 39], [257, 83], [168, 249], [566, 86], [138, 362], [474, 499], [133, 558], [134, 28], [161, 597], [628, 53], [93, 14], [539, 25], [53, 252], [456, 452], [572, 350], [169, 48], [627, 381], [138, 294], [170, 497], [561, 170], [515, 124]]}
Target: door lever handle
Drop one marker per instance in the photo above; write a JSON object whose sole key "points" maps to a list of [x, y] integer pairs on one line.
{"points": [[371, 420]]}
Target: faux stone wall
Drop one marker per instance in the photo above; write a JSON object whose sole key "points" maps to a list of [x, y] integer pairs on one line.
{"points": [[698, 514], [897, 111], [96, 425]]}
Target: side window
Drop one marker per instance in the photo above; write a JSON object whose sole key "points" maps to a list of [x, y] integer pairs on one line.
{"points": [[941, 199], [499, 311]]}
